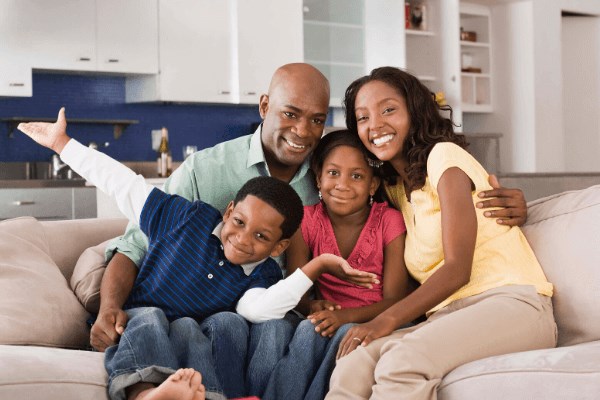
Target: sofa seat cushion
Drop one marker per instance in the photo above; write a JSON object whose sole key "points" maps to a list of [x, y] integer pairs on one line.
{"points": [[564, 232], [37, 306], [30, 372], [571, 372]]}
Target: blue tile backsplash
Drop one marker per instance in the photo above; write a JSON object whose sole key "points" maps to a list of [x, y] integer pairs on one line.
{"points": [[103, 97]]}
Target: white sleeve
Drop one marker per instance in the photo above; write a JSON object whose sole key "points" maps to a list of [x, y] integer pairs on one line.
{"points": [[116, 180], [260, 304]]}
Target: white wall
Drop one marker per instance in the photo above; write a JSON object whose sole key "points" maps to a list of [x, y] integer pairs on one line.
{"points": [[581, 92]]}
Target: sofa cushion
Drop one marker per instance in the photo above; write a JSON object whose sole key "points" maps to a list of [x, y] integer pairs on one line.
{"points": [[30, 372], [87, 276], [571, 372], [564, 232], [37, 306]]}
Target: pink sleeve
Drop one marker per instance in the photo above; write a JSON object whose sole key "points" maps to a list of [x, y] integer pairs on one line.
{"points": [[392, 224]]}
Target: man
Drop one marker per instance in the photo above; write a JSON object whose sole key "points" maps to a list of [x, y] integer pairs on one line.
{"points": [[293, 113]]}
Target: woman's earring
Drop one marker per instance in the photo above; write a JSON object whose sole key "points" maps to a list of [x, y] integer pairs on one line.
{"points": [[371, 200], [320, 195]]}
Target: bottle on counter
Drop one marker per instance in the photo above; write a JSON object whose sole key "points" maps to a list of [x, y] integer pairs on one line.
{"points": [[164, 155]]}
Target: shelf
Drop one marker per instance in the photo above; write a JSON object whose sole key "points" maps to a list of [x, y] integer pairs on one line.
{"points": [[426, 78], [415, 32], [474, 75], [333, 24], [335, 63], [119, 125], [477, 108], [466, 43]]}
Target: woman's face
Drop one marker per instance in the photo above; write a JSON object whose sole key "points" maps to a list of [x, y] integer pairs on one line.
{"points": [[382, 120], [346, 181]]}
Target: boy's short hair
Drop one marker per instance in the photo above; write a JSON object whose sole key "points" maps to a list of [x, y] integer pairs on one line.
{"points": [[279, 195]]}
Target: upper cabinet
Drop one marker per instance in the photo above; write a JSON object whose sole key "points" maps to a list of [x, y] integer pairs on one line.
{"points": [[220, 51], [127, 36]]}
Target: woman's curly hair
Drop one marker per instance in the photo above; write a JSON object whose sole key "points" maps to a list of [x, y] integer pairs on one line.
{"points": [[427, 125]]}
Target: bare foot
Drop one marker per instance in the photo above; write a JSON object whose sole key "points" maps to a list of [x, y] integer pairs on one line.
{"points": [[184, 384]]}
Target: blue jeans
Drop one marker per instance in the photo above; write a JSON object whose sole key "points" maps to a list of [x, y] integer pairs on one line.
{"points": [[268, 344], [304, 372], [152, 348]]}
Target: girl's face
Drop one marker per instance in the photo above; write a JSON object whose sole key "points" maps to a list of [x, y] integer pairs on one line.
{"points": [[346, 181], [382, 120]]}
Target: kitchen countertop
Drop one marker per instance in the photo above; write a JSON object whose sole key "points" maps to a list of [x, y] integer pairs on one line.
{"points": [[41, 183]]}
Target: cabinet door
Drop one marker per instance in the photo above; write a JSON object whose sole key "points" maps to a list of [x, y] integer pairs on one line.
{"points": [[127, 36], [59, 35], [195, 42], [15, 73], [269, 34], [39, 203], [15, 79]]}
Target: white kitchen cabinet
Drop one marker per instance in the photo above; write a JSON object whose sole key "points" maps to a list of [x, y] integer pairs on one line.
{"points": [[80, 35], [220, 51], [15, 79], [269, 35], [15, 72], [195, 55], [127, 36]]}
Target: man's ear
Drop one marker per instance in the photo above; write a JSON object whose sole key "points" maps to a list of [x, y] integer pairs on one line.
{"points": [[228, 211], [263, 105], [280, 247]]}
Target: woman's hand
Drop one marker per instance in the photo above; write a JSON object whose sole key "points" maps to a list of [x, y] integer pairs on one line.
{"points": [[364, 334], [320, 305], [326, 322], [51, 135], [513, 207]]}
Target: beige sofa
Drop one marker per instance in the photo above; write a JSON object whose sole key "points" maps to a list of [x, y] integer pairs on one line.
{"points": [[43, 321]]}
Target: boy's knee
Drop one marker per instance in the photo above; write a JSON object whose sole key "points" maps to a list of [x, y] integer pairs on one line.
{"points": [[225, 323]]}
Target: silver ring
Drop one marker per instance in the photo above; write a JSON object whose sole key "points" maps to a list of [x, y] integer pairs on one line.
{"points": [[359, 339]]}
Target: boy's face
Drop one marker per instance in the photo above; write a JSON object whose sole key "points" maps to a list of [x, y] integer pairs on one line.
{"points": [[252, 231]]}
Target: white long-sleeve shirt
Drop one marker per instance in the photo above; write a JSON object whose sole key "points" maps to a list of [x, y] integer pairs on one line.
{"points": [[130, 192]]}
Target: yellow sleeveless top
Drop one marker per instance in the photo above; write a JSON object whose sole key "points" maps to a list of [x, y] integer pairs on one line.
{"points": [[502, 255]]}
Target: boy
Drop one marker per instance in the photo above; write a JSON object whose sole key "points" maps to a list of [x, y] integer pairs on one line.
{"points": [[196, 265]]}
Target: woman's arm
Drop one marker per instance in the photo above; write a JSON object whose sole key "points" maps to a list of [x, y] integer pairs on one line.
{"points": [[395, 288], [459, 232]]}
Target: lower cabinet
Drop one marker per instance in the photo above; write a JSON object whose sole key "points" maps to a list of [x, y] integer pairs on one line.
{"points": [[48, 203]]}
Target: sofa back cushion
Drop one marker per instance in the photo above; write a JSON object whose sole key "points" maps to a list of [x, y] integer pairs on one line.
{"points": [[87, 276], [564, 232], [37, 306]]}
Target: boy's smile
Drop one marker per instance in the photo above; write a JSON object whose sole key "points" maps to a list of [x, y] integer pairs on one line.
{"points": [[251, 231]]}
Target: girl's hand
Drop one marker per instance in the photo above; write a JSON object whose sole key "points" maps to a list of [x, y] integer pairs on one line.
{"points": [[364, 334], [320, 305], [51, 135], [326, 322]]}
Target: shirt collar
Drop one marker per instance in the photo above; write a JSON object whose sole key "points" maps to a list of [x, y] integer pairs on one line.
{"points": [[256, 155], [248, 268]]}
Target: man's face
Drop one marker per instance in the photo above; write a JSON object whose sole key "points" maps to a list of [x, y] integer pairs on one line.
{"points": [[293, 121]]}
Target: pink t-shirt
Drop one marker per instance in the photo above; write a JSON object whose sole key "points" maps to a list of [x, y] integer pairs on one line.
{"points": [[383, 225]]}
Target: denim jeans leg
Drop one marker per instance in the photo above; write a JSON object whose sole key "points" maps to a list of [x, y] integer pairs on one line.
{"points": [[268, 344], [228, 332], [320, 383], [193, 350], [144, 344]]}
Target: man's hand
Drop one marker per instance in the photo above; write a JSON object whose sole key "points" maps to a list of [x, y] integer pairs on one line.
{"points": [[51, 135], [513, 211], [108, 328], [320, 305]]}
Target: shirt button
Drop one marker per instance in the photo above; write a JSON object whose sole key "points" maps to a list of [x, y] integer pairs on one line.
{"points": [[210, 276], [221, 263], [221, 247]]}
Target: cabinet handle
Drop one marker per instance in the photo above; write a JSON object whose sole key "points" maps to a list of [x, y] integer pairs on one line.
{"points": [[250, 93], [23, 203], [16, 84], [224, 92], [113, 60], [85, 59]]}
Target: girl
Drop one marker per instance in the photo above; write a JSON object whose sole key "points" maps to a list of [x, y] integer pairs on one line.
{"points": [[369, 235], [483, 290]]}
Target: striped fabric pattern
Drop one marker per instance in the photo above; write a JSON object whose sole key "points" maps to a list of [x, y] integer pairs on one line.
{"points": [[185, 272]]}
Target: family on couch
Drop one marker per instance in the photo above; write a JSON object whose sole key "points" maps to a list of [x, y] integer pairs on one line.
{"points": [[474, 303]]}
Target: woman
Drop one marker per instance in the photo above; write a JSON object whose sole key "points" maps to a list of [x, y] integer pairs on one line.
{"points": [[481, 287]]}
